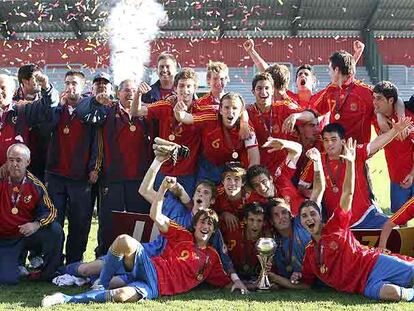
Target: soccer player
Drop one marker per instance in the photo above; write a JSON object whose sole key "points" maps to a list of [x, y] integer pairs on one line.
{"points": [[125, 161], [73, 163], [27, 219], [268, 186], [30, 90], [401, 172], [339, 260], [290, 235], [217, 79], [185, 85], [241, 242], [220, 137], [187, 261], [365, 213], [231, 197], [404, 214]]}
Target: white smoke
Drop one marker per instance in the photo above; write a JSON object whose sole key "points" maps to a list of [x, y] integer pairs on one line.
{"points": [[132, 25]]}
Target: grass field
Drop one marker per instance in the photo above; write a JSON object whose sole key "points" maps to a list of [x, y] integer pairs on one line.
{"points": [[27, 296]]}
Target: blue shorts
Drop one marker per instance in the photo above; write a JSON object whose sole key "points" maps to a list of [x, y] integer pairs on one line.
{"points": [[375, 219], [388, 270], [399, 196], [143, 276]]}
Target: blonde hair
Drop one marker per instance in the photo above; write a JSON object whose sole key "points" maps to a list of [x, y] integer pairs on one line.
{"points": [[216, 67]]}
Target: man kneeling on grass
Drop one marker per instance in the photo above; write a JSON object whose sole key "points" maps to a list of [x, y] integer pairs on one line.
{"points": [[336, 257], [186, 262]]}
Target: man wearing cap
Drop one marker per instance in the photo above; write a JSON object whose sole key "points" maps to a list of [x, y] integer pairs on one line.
{"points": [[73, 164], [27, 218]]}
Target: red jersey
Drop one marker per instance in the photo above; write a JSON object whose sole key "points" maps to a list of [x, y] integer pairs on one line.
{"points": [[224, 204], [182, 261], [242, 252], [399, 154], [172, 130], [302, 103], [220, 143], [404, 214], [207, 101], [20, 204], [335, 174], [353, 104], [338, 259]]}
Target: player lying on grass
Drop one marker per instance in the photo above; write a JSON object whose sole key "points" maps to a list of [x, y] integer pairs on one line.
{"points": [[187, 261], [339, 260]]}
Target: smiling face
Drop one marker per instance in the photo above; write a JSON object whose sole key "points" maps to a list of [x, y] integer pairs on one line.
{"points": [[310, 219], [126, 93], [203, 230], [74, 86], [305, 80], [202, 198], [101, 86], [217, 81], [281, 218], [254, 225], [383, 105], [230, 110], [166, 70], [185, 90], [263, 185], [263, 92], [232, 183], [332, 144]]}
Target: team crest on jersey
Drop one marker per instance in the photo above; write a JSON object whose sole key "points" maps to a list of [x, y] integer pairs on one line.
{"points": [[333, 245], [354, 107], [27, 198], [216, 143]]}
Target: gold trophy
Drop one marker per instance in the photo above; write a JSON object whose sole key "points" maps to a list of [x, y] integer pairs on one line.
{"points": [[266, 249]]}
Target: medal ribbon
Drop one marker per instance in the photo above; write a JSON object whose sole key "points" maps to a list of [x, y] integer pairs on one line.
{"points": [[319, 253], [268, 127], [15, 195], [330, 172], [228, 143], [338, 104], [71, 116], [201, 266]]}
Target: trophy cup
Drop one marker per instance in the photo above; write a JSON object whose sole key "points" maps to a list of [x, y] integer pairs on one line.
{"points": [[266, 249]]}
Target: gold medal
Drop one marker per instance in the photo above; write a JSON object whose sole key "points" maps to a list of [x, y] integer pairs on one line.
{"points": [[234, 155], [199, 277], [171, 137], [335, 189], [323, 269], [289, 269], [14, 210], [66, 130], [337, 116], [132, 128]]}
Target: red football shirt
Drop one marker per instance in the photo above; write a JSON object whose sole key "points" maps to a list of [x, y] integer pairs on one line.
{"points": [[399, 154], [335, 173], [183, 134], [347, 263], [242, 252], [404, 214], [217, 147], [207, 101], [353, 101], [180, 263]]}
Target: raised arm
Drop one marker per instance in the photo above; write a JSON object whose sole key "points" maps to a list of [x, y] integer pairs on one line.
{"points": [[138, 109], [289, 123], [161, 221], [348, 186], [319, 182], [181, 114], [358, 50], [256, 58], [382, 140], [294, 149]]}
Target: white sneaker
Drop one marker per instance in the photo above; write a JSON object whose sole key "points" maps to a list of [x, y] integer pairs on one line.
{"points": [[36, 262], [51, 300]]}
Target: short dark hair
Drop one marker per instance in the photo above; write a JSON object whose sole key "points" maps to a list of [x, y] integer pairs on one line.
{"points": [[76, 74], [263, 76], [309, 203], [186, 73], [206, 213], [234, 167], [26, 72], [334, 128], [209, 184], [386, 88], [277, 202], [255, 208], [344, 61], [280, 75], [254, 171], [304, 66]]}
